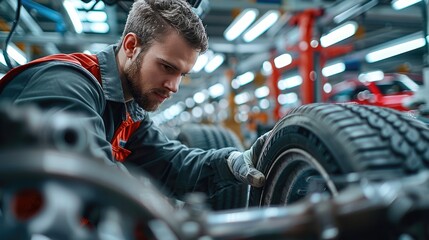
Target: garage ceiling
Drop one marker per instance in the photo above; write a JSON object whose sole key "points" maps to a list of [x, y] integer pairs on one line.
{"points": [[379, 23]]}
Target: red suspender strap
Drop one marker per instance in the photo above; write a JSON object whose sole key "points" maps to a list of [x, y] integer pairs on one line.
{"points": [[90, 63]]}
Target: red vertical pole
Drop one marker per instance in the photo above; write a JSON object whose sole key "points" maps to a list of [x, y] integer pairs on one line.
{"points": [[306, 55], [305, 21], [275, 76]]}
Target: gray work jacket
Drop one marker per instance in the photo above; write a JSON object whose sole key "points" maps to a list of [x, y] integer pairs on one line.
{"points": [[62, 86]]}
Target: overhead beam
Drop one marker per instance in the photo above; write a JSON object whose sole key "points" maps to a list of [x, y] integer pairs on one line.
{"points": [[62, 39]]}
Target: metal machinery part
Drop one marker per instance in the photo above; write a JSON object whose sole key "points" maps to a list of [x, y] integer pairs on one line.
{"points": [[389, 210], [55, 185], [64, 191]]}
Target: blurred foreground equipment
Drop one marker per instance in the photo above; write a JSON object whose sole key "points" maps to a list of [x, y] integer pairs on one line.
{"points": [[52, 185]]}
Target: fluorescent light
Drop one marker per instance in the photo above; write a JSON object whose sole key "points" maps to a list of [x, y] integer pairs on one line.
{"points": [[327, 87], [356, 10], [16, 54], [264, 104], [242, 98], [174, 110], [197, 112], [88, 5], [288, 98], [289, 82], [200, 63], [262, 92], [283, 60], [2, 60], [209, 108], [214, 63], [267, 68], [407, 81], [393, 50], [199, 97], [401, 4], [265, 22], [347, 13], [339, 33], [371, 76], [235, 84], [96, 16], [245, 78], [216, 90], [97, 27], [240, 23], [185, 116], [189, 102], [333, 69], [74, 16]]}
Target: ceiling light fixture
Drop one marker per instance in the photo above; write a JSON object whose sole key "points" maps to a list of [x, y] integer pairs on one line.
{"points": [[401, 4], [96, 16], [16, 54], [339, 33], [262, 92], [333, 69], [199, 97], [98, 27], [289, 82], [356, 10], [242, 98], [2, 60], [267, 68], [283, 60], [372, 76], [396, 47], [214, 63], [216, 90], [240, 23], [200, 63], [73, 15], [245, 78], [288, 98], [262, 25]]}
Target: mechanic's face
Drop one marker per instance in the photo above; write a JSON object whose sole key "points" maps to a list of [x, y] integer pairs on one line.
{"points": [[154, 75]]}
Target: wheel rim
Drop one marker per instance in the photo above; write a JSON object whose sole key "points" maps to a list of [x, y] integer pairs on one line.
{"points": [[293, 175]]}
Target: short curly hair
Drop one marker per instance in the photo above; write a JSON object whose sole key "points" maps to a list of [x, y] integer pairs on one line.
{"points": [[150, 20]]}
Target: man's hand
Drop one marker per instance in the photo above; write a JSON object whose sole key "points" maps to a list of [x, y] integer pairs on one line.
{"points": [[242, 164]]}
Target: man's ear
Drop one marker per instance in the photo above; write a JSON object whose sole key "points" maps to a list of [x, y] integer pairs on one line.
{"points": [[130, 44]]}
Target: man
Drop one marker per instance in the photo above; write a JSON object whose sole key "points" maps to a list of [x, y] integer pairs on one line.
{"points": [[113, 91]]}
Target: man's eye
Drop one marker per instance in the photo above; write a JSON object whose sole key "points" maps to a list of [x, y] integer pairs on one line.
{"points": [[168, 68]]}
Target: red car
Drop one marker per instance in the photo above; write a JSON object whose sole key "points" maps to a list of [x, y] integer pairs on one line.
{"points": [[389, 90]]}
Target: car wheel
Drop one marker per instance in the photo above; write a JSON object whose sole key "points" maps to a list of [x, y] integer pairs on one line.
{"points": [[326, 147]]}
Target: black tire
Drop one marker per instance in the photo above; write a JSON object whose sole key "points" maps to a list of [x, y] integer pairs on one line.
{"points": [[208, 137], [195, 136], [326, 147], [216, 137]]}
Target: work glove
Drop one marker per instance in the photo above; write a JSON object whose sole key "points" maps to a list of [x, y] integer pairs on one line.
{"points": [[242, 164]]}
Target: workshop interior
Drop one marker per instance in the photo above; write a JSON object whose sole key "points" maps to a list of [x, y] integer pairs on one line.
{"points": [[340, 85]]}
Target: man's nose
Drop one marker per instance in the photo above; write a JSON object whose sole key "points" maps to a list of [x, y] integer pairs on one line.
{"points": [[172, 84]]}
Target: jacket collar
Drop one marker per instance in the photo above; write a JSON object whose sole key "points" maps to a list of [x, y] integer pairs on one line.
{"points": [[110, 75], [111, 82]]}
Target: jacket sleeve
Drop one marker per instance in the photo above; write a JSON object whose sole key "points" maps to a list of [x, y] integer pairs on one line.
{"points": [[177, 168], [62, 87]]}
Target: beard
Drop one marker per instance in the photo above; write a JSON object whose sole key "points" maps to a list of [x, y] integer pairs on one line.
{"points": [[135, 83]]}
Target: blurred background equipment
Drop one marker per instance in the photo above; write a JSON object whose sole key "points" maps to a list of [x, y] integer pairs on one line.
{"points": [[282, 54]]}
